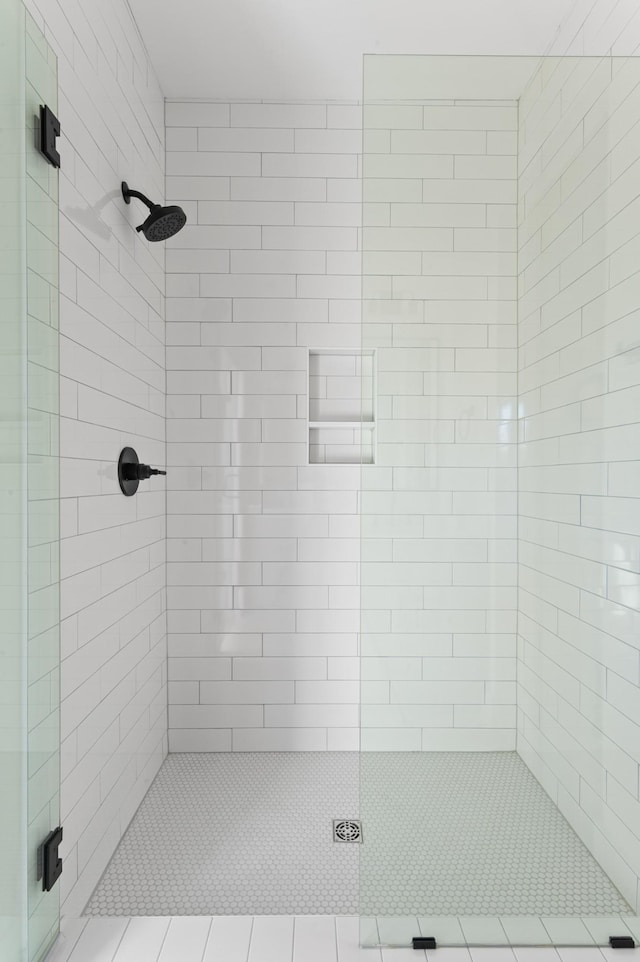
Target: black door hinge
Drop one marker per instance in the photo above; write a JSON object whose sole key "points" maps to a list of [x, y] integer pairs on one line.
{"points": [[49, 862], [49, 131]]}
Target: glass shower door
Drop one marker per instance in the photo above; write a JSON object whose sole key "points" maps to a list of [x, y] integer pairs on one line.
{"points": [[29, 490], [500, 731], [13, 909]]}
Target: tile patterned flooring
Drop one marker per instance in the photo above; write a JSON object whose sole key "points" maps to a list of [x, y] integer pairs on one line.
{"points": [[476, 803], [445, 834], [471, 834], [239, 834]]}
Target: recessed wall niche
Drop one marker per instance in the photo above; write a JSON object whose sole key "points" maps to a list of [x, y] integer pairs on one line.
{"points": [[341, 406]]}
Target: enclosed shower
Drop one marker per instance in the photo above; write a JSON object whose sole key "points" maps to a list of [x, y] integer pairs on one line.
{"points": [[320, 538]]}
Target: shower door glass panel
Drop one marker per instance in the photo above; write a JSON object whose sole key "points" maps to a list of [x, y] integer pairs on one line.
{"points": [[43, 490], [29, 512], [13, 908], [500, 718]]}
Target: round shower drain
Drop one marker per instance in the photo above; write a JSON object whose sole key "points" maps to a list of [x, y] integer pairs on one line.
{"points": [[346, 830]]}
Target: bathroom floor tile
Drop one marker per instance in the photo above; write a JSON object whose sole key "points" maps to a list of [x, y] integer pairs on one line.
{"points": [[239, 834], [280, 939], [472, 834], [445, 835]]}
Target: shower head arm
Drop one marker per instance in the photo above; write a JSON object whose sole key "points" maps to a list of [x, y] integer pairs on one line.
{"points": [[127, 193]]}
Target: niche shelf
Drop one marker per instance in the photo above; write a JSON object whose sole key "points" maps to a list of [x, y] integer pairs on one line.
{"points": [[342, 417]]}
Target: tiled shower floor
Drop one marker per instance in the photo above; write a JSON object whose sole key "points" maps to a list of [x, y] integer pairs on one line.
{"points": [[445, 834], [238, 834]]}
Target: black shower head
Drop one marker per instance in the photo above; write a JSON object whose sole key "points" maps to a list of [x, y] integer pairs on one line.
{"points": [[162, 222]]}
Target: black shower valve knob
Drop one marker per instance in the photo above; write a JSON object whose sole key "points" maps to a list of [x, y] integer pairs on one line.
{"points": [[131, 472], [139, 472]]}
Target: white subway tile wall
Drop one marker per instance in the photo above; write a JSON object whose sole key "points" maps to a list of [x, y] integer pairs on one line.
{"points": [[439, 511], [113, 669], [579, 549], [263, 546]]}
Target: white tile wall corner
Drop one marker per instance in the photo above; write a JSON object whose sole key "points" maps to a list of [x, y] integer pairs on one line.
{"points": [[439, 525], [579, 654], [113, 673], [263, 547]]}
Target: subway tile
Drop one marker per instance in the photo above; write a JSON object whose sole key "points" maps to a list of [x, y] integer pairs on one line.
{"points": [[206, 717], [196, 188], [197, 597], [392, 116], [212, 164], [249, 140], [406, 716], [200, 740], [311, 716], [309, 165], [205, 236], [500, 167], [308, 238], [468, 191], [409, 165], [281, 596], [390, 740], [246, 692], [278, 188], [278, 262], [235, 620], [251, 285], [199, 669], [389, 190], [280, 310], [196, 114], [201, 573], [274, 453], [278, 115], [244, 212], [336, 140], [436, 693], [279, 668], [470, 118], [279, 740], [309, 573]]}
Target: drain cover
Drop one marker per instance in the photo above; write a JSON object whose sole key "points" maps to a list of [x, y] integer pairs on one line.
{"points": [[347, 830]]}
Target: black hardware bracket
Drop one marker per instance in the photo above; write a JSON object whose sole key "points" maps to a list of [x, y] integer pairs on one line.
{"points": [[49, 862], [424, 942], [131, 472], [621, 942], [49, 132]]}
